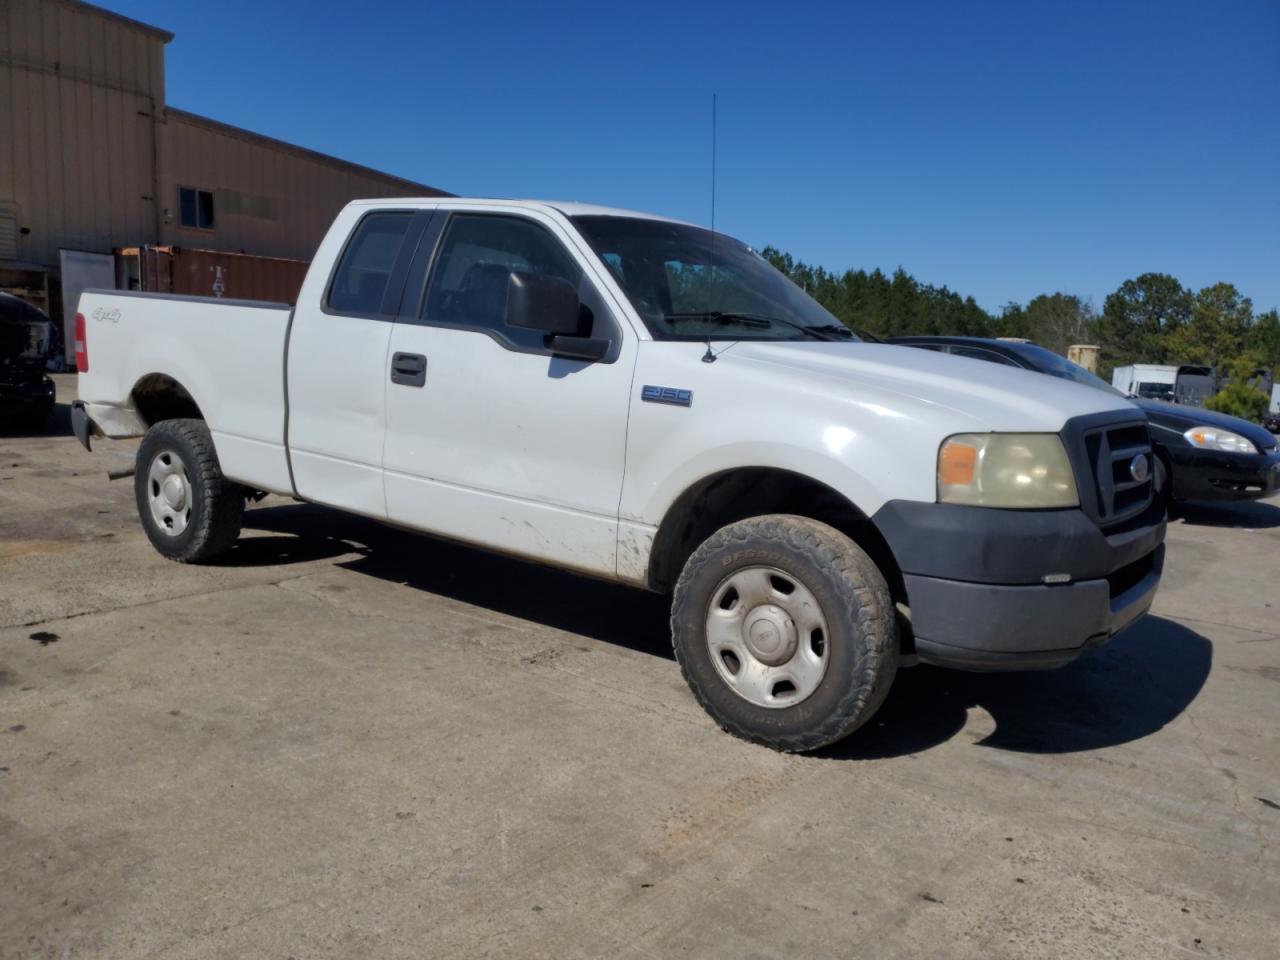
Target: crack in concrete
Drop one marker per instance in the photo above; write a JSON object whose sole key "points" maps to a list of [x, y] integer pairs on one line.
{"points": [[1236, 804]]}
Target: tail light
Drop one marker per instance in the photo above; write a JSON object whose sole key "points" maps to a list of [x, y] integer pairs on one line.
{"points": [[82, 345]]}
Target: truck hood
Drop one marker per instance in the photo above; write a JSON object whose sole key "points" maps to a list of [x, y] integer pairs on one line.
{"points": [[992, 396]]}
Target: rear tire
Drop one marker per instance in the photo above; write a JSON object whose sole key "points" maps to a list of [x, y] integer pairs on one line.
{"points": [[190, 511], [785, 632]]}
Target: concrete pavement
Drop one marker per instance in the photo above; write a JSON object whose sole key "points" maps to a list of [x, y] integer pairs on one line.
{"points": [[349, 741]]}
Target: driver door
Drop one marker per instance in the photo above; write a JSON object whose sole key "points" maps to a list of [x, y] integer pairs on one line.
{"points": [[499, 442]]}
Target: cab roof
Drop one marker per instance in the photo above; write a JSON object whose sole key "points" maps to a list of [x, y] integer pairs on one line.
{"points": [[570, 208]]}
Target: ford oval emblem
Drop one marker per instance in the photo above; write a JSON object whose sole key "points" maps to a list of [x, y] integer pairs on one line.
{"points": [[1140, 468]]}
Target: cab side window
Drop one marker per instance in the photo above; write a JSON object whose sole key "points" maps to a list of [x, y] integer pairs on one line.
{"points": [[477, 255], [360, 282]]}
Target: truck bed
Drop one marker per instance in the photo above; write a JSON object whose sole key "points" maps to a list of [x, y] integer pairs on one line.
{"points": [[227, 354]]}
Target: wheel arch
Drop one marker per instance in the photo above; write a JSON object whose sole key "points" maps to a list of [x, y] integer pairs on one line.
{"points": [[159, 396], [736, 494]]}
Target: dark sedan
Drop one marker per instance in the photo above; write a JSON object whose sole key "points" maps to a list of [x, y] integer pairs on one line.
{"points": [[26, 393], [1201, 455]]}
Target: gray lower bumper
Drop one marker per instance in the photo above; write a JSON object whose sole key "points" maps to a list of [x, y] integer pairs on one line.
{"points": [[982, 626]]}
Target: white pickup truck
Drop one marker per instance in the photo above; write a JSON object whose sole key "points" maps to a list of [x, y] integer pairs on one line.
{"points": [[649, 402]]}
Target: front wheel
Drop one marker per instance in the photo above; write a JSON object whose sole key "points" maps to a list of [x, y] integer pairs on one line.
{"points": [[191, 512], [785, 632]]}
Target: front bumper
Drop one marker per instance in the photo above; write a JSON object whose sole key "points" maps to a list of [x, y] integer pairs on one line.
{"points": [[1213, 475], [974, 581]]}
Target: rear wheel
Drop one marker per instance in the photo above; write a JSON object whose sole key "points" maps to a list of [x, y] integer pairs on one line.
{"points": [[785, 631], [190, 511]]}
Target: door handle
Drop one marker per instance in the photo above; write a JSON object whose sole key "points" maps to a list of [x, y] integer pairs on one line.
{"points": [[409, 369]]}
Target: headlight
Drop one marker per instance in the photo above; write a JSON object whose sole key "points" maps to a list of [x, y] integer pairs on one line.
{"points": [[1014, 470], [1211, 438]]}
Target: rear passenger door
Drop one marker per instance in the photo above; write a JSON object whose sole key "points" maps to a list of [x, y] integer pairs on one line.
{"points": [[337, 360]]}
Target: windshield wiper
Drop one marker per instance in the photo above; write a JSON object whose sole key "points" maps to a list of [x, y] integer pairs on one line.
{"points": [[837, 330], [724, 317], [828, 331]]}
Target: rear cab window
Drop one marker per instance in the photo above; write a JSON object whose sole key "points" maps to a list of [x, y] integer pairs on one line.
{"points": [[359, 283]]}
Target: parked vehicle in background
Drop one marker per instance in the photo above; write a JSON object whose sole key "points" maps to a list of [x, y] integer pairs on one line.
{"points": [[1194, 385], [1150, 380], [647, 402], [27, 393], [1202, 455]]}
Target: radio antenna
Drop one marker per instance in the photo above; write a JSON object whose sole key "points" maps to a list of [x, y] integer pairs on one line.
{"points": [[709, 356], [713, 163]]}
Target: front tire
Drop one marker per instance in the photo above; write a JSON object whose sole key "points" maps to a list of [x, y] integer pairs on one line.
{"points": [[785, 632], [190, 511]]}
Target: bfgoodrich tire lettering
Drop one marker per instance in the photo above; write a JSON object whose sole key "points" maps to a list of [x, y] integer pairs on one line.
{"points": [[859, 646], [204, 515]]}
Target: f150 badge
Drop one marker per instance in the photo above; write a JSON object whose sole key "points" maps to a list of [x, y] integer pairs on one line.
{"points": [[672, 395]]}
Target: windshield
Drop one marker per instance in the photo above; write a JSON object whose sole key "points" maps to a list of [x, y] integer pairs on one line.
{"points": [[1046, 361], [1156, 391], [691, 284]]}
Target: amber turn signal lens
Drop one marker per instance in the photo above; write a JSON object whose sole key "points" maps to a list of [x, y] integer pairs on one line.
{"points": [[956, 465]]}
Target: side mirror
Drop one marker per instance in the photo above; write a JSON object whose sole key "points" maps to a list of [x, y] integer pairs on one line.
{"points": [[550, 304], [538, 302]]}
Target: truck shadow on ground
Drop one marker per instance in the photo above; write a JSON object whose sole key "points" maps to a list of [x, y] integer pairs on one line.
{"points": [[58, 424], [554, 598], [1252, 514], [1124, 691]]}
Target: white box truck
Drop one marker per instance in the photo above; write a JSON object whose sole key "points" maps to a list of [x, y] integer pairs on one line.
{"points": [[1150, 380]]}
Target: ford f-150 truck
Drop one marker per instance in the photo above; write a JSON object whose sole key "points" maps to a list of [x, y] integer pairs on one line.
{"points": [[649, 402]]}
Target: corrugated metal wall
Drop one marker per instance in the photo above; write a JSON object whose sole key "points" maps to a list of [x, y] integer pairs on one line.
{"points": [[77, 91], [270, 198], [83, 130]]}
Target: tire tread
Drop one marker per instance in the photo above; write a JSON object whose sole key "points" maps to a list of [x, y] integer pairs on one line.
{"points": [[218, 525], [870, 607]]}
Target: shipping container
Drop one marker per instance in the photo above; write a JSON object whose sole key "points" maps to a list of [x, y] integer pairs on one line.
{"points": [[209, 273]]}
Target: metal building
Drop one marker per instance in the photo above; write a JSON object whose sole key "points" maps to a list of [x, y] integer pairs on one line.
{"points": [[92, 160]]}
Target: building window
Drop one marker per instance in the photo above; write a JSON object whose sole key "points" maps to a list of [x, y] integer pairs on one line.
{"points": [[195, 208]]}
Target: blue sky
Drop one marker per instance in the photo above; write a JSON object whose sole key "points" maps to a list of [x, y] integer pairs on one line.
{"points": [[1002, 149]]}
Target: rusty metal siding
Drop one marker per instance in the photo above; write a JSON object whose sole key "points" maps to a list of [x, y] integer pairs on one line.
{"points": [[212, 273], [78, 87]]}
